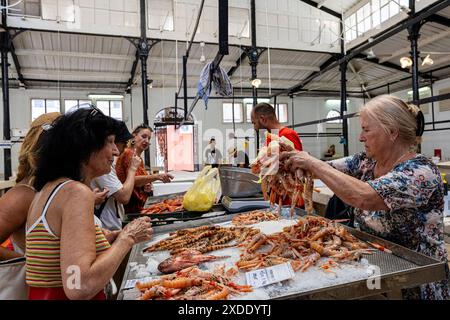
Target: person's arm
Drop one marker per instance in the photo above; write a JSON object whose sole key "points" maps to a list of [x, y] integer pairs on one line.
{"points": [[100, 195], [14, 207], [84, 274], [352, 191], [143, 180], [123, 195]]}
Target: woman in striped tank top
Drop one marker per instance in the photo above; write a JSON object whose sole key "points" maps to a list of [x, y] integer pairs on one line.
{"points": [[67, 255]]}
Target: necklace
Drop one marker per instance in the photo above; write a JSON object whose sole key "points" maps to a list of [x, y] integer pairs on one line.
{"points": [[399, 160]]}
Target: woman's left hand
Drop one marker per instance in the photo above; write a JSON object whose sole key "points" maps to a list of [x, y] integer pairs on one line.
{"points": [[111, 236]]}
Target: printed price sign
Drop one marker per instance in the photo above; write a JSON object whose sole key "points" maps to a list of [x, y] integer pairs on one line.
{"points": [[263, 277]]}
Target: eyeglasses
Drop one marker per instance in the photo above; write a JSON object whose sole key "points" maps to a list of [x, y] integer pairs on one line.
{"points": [[93, 113]]}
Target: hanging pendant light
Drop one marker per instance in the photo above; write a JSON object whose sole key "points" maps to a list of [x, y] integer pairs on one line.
{"points": [[427, 61], [405, 62]]}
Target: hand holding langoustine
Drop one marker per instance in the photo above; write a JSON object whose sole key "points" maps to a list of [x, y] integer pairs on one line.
{"points": [[278, 181]]}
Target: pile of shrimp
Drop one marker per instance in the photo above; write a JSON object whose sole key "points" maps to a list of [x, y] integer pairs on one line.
{"points": [[302, 245], [279, 184], [193, 284], [253, 217], [166, 206], [203, 239]]}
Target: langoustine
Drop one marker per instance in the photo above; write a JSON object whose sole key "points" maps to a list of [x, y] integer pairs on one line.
{"points": [[277, 182], [192, 284], [186, 258], [302, 245]]}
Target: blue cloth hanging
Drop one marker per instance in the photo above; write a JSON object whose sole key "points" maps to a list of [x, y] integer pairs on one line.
{"points": [[219, 79]]}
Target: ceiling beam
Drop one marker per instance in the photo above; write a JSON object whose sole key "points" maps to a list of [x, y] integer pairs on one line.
{"points": [[322, 8], [73, 54], [237, 64], [17, 64], [359, 77], [422, 42], [385, 34], [21, 30], [77, 81], [388, 65], [436, 18], [314, 75], [133, 70], [89, 55], [73, 75]]}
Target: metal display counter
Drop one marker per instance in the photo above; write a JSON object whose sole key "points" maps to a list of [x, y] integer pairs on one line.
{"points": [[403, 268]]}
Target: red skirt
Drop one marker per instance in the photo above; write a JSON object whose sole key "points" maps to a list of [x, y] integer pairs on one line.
{"points": [[36, 293]]}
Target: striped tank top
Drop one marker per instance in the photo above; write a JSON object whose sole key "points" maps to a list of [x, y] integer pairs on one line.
{"points": [[43, 250]]}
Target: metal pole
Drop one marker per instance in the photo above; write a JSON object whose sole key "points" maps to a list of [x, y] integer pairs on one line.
{"points": [[253, 59], [413, 37], [344, 106], [5, 47], [143, 55], [185, 102], [413, 32], [432, 102], [343, 68], [292, 108]]}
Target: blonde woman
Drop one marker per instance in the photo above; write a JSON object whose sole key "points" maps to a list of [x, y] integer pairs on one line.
{"points": [[143, 180], [14, 206], [397, 194]]}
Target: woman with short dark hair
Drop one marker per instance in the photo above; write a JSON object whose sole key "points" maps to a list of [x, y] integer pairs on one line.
{"points": [[68, 256]]}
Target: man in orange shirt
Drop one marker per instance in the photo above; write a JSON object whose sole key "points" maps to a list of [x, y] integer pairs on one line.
{"points": [[264, 117]]}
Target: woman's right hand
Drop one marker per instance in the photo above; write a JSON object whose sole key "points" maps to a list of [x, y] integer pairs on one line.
{"points": [[135, 161], [138, 230]]}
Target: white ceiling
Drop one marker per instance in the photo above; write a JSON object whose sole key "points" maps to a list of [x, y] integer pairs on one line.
{"points": [[106, 62]]}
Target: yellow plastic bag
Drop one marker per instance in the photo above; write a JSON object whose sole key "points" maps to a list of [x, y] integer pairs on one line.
{"points": [[201, 196]]}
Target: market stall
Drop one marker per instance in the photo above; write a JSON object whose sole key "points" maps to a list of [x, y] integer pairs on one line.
{"points": [[386, 269]]}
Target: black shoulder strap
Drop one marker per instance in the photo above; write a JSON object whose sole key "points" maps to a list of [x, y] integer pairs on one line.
{"points": [[98, 211]]}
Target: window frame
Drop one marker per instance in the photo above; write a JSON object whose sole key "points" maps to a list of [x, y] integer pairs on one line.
{"points": [[109, 107], [74, 99], [45, 106], [241, 111], [277, 112]]}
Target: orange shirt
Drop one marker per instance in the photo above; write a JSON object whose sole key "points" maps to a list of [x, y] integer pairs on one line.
{"points": [[291, 135]]}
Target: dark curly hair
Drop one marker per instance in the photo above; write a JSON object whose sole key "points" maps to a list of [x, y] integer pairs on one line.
{"points": [[69, 142]]}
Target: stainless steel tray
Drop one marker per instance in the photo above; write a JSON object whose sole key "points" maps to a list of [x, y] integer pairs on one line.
{"points": [[238, 182], [403, 268]]}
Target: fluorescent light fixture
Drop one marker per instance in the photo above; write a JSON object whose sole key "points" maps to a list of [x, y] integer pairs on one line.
{"points": [[256, 82], [405, 62], [421, 90], [250, 100], [335, 102], [105, 96]]}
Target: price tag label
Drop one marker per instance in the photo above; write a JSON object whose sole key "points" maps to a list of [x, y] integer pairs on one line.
{"points": [[132, 282], [263, 277]]}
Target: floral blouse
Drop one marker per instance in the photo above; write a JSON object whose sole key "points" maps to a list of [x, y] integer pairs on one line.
{"points": [[413, 192]]}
